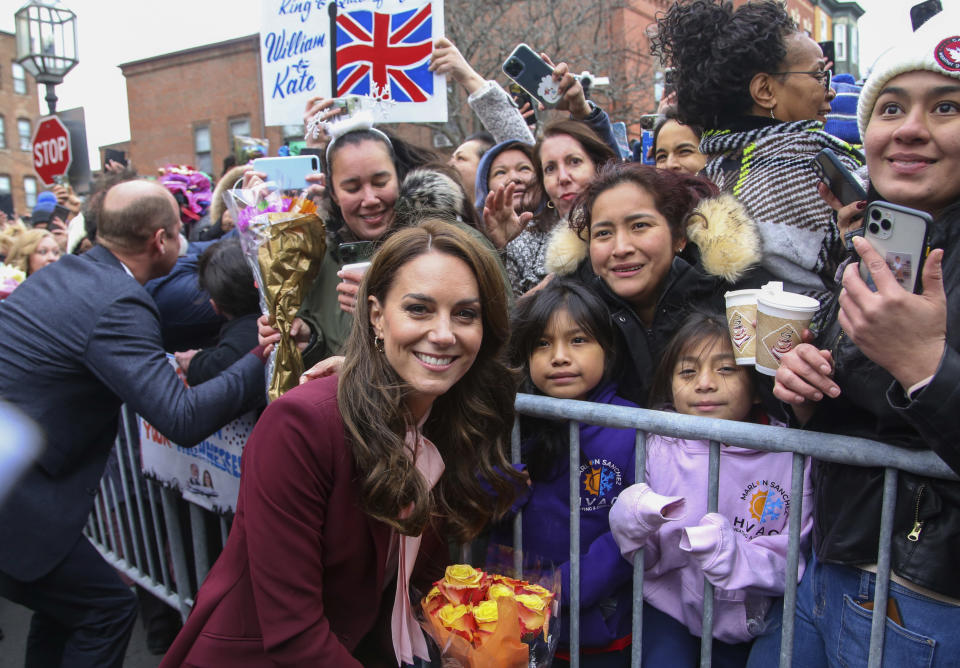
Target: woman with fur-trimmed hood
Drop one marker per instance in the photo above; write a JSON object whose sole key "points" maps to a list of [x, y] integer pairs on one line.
{"points": [[625, 234]]}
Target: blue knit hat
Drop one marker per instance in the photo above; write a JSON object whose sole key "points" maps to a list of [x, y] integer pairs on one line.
{"points": [[842, 119], [43, 210]]}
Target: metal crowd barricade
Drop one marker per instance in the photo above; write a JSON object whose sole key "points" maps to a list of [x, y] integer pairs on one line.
{"points": [[127, 528]]}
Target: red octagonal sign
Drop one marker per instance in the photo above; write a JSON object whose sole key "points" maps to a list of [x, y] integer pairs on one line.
{"points": [[51, 149]]}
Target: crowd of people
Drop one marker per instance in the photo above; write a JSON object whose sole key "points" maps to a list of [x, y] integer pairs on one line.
{"points": [[529, 261]]}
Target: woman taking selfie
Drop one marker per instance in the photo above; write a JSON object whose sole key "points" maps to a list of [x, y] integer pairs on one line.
{"points": [[760, 88], [352, 484], [860, 379]]}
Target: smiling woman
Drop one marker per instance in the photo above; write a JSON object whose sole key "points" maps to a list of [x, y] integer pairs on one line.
{"points": [[353, 485]]}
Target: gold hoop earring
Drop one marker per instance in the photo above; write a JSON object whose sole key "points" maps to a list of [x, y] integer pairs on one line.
{"points": [[550, 204], [378, 343]]}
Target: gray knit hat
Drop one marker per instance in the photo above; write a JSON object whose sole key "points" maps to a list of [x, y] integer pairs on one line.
{"points": [[935, 46]]}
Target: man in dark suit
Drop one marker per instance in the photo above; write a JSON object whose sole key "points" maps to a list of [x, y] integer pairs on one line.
{"points": [[76, 340]]}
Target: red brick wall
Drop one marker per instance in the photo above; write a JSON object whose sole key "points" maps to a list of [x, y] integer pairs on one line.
{"points": [[13, 162]]}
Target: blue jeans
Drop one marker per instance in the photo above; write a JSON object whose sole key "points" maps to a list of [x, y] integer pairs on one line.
{"points": [[832, 628], [668, 643]]}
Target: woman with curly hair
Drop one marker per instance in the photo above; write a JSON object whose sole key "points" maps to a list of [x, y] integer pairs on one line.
{"points": [[33, 250], [761, 90], [352, 483]]}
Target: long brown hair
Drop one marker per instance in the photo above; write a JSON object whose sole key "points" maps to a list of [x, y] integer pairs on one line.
{"points": [[470, 424], [584, 135]]}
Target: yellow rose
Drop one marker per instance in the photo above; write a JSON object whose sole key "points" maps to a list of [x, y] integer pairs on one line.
{"points": [[486, 616], [537, 590], [499, 590], [433, 601], [534, 613], [456, 618], [462, 574]]}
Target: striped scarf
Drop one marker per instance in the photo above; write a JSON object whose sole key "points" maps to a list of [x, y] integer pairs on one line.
{"points": [[768, 170]]}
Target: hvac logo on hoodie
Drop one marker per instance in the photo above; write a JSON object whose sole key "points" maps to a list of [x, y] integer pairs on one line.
{"points": [[601, 482], [764, 511]]}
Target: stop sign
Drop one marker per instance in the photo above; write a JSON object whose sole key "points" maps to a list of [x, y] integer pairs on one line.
{"points": [[51, 149]]}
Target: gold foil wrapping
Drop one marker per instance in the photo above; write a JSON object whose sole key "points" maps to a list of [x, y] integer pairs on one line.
{"points": [[292, 247]]}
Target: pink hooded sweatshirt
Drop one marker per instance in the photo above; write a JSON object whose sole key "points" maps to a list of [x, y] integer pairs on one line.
{"points": [[741, 549]]}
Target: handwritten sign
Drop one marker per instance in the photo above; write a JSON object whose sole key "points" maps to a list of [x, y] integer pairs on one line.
{"points": [[334, 48]]}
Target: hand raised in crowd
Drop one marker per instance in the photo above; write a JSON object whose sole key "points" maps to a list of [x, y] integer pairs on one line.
{"points": [[668, 100], [113, 166], [322, 369], [348, 288], [501, 223], [528, 112], [805, 375], [319, 110], [572, 98], [317, 187], [184, 358], [849, 217], [268, 335], [67, 199], [876, 321], [447, 59]]}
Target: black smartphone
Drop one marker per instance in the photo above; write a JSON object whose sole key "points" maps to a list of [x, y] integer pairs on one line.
{"points": [[533, 74], [829, 51], [115, 155], [61, 212], [899, 235], [669, 81], [356, 251], [838, 178], [522, 97], [922, 12]]}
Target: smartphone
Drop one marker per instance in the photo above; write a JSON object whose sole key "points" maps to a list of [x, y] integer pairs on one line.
{"points": [[355, 252], [838, 178], [61, 212], [289, 172], [899, 234], [922, 12], [350, 104], [533, 74], [115, 155], [669, 81], [522, 97]]}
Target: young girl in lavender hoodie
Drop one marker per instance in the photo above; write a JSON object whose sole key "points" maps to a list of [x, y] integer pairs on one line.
{"points": [[742, 548]]}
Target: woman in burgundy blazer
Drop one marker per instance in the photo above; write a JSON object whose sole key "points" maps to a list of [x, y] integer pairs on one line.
{"points": [[308, 574]]}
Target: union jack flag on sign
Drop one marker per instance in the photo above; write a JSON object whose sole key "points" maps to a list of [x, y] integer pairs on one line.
{"points": [[385, 55]]}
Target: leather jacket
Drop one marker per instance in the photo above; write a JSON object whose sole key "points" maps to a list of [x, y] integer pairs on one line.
{"points": [[873, 405]]}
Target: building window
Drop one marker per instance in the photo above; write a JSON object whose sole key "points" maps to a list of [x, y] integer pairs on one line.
{"points": [[854, 45], [823, 29], [3, 133], [239, 127], [25, 134], [30, 190], [201, 148], [19, 79], [840, 41], [4, 185]]}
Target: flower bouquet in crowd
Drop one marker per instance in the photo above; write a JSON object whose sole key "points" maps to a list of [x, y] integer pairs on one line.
{"points": [[481, 619], [284, 241], [10, 278], [246, 149], [191, 188]]}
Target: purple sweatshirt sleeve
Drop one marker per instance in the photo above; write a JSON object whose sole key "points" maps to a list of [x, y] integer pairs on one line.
{"points": [[636, 516], [608, 572]]}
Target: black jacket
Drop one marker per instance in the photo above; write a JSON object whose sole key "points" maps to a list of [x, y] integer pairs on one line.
{"points": [[237, 338], [873, 405]]}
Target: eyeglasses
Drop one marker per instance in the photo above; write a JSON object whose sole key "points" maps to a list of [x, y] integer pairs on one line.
{"points": [[823, 76]]}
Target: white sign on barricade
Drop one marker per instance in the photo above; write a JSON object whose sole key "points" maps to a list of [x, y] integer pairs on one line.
{"points": [[375, 48], [207, 474]]}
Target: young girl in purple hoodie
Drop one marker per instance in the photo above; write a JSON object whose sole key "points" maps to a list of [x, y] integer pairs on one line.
{"points": [[741, 549], [563, 338]]}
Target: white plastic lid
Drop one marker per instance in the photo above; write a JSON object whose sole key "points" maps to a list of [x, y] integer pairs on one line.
{"points": [[789, 300]]}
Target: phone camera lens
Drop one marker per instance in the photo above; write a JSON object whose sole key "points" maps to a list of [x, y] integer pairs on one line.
{"points": [[886, 225], [513, 67], [875, 214], [874, 228]]}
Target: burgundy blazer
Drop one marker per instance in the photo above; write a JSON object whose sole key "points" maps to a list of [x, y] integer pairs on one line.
{"points": [[301, 579]]}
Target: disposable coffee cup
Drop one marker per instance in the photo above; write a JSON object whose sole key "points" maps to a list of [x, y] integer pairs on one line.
{"points": [[781, 319], [741, 314]]}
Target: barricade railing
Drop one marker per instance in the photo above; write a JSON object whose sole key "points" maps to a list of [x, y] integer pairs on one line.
{"points": [[126, 526]]}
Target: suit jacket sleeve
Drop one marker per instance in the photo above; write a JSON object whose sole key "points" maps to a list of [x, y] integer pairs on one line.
{"points": [[290, 465], [125, 352]]}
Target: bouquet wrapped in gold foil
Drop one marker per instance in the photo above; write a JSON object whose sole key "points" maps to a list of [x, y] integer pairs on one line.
{"points": [[284, 241]]}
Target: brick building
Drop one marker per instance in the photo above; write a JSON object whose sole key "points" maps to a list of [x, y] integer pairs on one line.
{"points": [[185, 107], [19, 112]]}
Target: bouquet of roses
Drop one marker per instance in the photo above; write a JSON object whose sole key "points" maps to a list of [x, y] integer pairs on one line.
{"points": [[10, 278], [481, 619], [284, 241]]}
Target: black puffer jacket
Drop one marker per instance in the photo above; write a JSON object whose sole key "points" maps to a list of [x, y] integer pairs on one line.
{"points": [[873, 405]]}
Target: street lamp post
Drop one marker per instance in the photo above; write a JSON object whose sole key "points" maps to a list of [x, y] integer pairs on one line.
{"points": [[46, 43]]}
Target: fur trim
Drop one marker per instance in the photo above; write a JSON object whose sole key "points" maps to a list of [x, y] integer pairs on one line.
{"points": [[727, 237], [565, 250], [426, 193], [226, 182]]}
